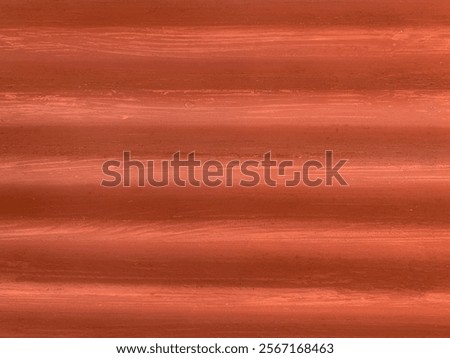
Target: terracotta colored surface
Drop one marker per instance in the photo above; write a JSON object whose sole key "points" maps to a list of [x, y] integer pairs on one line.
{"points": [[82, 81]]}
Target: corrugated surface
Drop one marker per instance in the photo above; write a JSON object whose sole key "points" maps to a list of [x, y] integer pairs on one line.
{"points": [[82, 81]]}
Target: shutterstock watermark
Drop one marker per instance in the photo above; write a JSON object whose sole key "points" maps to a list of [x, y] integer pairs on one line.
{"points": [[187, 170]]}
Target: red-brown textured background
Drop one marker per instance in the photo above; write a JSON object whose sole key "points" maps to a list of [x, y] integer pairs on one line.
{"points": [[81, 81]]}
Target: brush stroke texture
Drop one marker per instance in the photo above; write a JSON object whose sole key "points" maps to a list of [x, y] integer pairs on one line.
{"points": [[82, 81]]}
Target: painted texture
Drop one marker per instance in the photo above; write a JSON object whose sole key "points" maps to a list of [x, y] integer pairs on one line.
{"points": [[82, 81]]}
